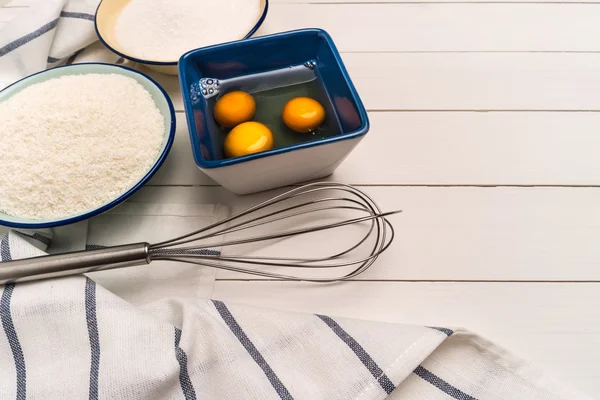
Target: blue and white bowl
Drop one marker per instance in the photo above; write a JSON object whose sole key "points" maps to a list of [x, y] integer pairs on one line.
{"points": [[162, 101], [199, 74], [107, 14]]}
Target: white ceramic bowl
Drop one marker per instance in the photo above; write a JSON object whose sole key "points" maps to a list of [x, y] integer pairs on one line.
{"points": [[162, 101], [106, 17], [281, 166]]}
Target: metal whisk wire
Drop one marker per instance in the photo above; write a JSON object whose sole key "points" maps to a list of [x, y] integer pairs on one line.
{"points": [[171, 250], [198, 247]]}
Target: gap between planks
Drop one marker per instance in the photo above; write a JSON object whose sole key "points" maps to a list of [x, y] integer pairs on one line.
{"points": [[16, 5], [463, 111], [391, 281], [408, 185]]}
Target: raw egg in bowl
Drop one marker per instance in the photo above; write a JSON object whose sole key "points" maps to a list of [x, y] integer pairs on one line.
{"points": [[298, 119]]}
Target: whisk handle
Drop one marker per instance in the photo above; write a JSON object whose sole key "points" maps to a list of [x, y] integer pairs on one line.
{"points": [[74, 263]]}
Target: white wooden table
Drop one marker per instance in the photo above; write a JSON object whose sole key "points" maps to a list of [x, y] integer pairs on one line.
{"points": [[486, 132]]}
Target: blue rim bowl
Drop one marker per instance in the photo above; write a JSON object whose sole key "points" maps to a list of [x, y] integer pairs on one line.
{"points": [[162, 101], [189, 73], [113, 48]]}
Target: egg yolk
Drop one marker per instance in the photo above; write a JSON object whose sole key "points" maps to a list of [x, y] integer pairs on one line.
{"points": [[303, 114], [233, 108], [248, 138]]}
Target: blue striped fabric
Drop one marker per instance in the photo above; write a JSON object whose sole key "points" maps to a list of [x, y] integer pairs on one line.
{"points": [[237, 330], [446, 331], [187, 386], [184, 377], [13, 339], [15, 44], [383, 380], [36, 236], [441, 384], [92, 325], [78, 15]]}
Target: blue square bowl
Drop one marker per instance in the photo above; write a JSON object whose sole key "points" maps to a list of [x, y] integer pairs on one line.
{"points": [[200, 72]]}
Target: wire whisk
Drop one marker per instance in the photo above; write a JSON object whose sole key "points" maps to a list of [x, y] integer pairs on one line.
{"points": [[314, 208]]}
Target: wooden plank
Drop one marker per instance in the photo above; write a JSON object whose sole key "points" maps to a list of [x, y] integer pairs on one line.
{"points": [[414, 1], [444, 27], [441, 148], [548, 325], [465, 81], [504, 148], [27, 3], [499, 234], [476, 81]]}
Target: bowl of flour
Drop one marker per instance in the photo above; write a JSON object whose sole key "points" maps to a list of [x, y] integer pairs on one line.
{"points": [[77, 141], [157, 33]]}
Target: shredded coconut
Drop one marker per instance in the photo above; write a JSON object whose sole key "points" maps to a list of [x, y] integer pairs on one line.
{"points": [[163, 30], [74, 143]]}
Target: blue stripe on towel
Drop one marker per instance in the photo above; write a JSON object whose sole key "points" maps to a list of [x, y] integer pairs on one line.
{"points": [[13, 340], [441, 384], [5, 249], [15, 44], [36, 236], [361, 353], [184, 378], [252, 350], [92, 325], [446, 331], [66, 14], [94, 246]]}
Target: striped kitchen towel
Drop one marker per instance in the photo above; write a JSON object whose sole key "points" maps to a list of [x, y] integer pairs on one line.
{"points": [[49, 33], [71, 338]]}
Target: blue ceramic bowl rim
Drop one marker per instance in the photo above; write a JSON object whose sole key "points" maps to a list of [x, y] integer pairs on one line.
{"points": [[201, 162], [131, 191], [168, 63]]}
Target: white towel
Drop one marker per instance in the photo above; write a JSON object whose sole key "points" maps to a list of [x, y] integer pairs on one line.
{"points": [[45, 36], [72, 338]]}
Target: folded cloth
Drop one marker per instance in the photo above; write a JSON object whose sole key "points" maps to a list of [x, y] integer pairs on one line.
{"points": [[46, 36], [70, 338]]}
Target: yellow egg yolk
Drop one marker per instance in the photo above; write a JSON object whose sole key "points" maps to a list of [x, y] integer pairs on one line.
{"points": [[248, 138], [233, 108], [303, 114]]}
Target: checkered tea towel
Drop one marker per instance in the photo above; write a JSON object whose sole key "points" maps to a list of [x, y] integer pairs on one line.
{"points": [[70, 338]]}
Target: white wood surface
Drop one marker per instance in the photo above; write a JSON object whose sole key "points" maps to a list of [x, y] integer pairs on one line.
{"points": [[450, 148], [465, 81], [485, 130], [381, 27]]}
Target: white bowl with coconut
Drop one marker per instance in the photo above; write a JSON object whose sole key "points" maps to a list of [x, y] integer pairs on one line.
{"points": [[78, 140], [156, 33]]}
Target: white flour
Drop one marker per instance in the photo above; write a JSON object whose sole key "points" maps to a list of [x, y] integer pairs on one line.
{"points": [[74, 143], [163, 30]]}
